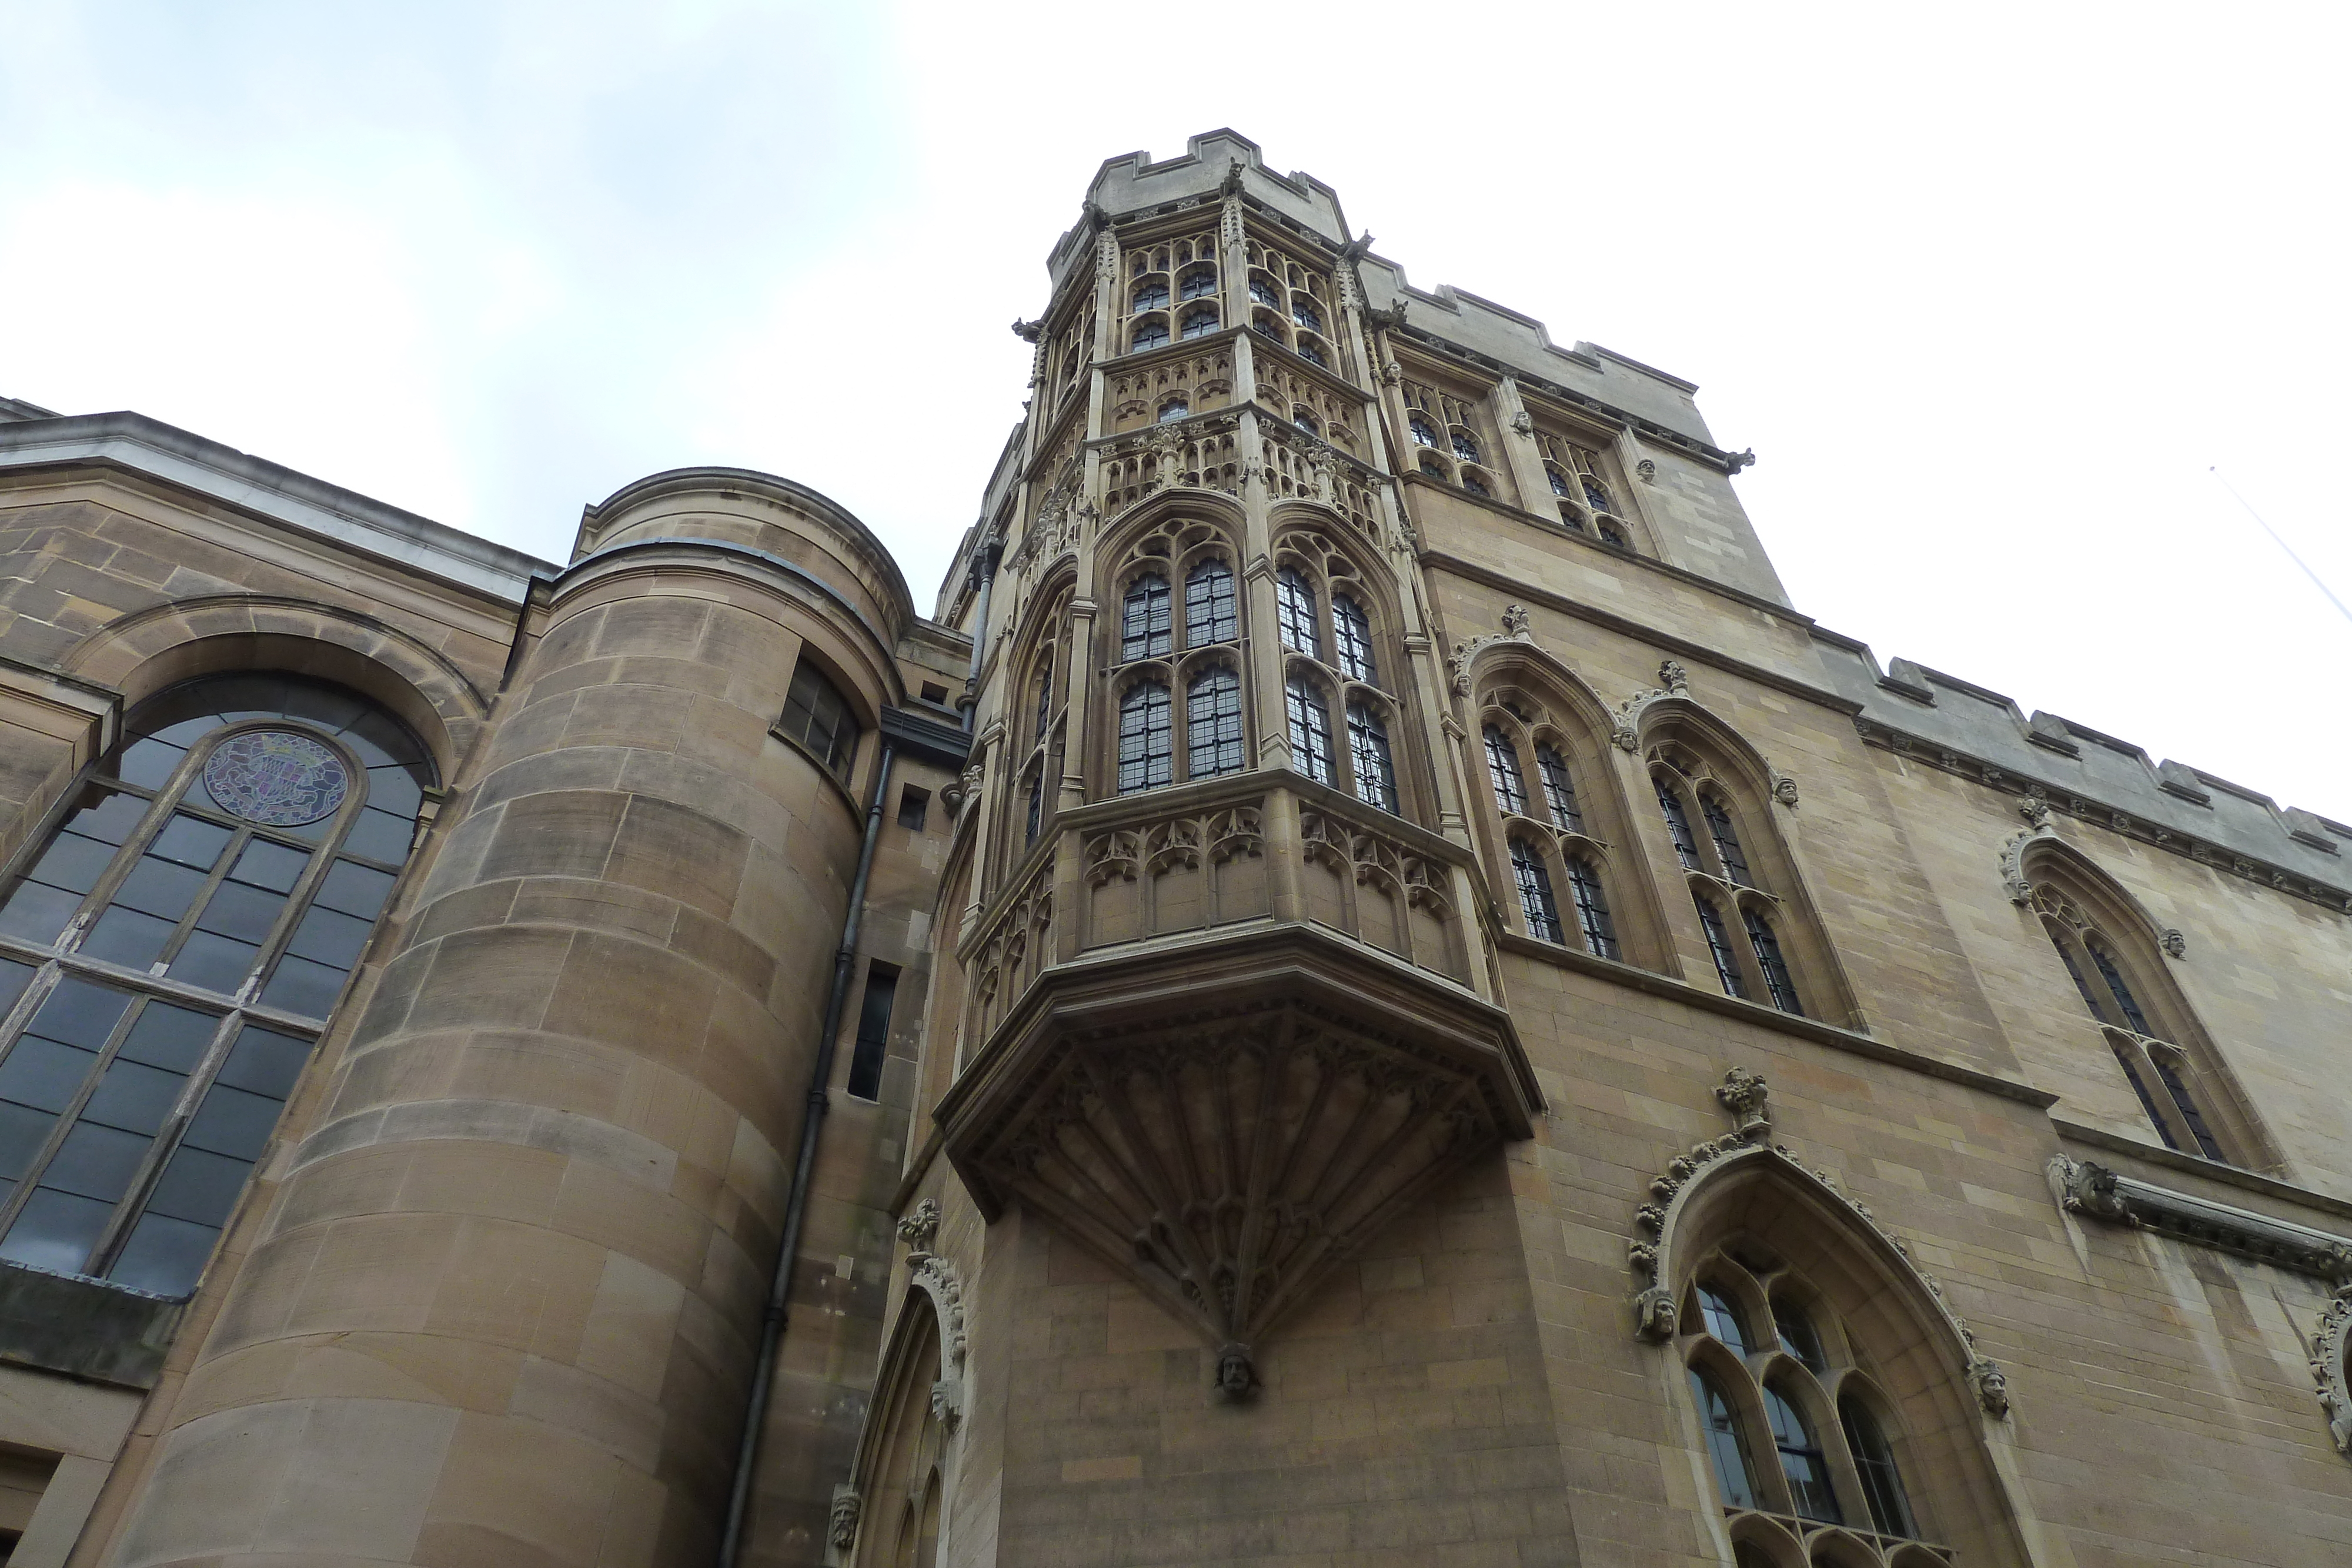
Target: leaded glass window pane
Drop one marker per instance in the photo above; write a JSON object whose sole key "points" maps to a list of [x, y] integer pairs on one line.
{"points": [[1591, 909], [1211, 611], [1535, 891], [1295, 610], [2113, 976], [1724, 1319], [1150, 335], [1678, 826], [1801, 1459], [1145, 619], [1798, 1336], [1351, 632], [1213, 725], [1423, 432], [1152, 296], [1310, 729], [2207, 1144], [1310, 351], [1874, 1461], [1727, 1446], [1147, 738], [1718, 947], [1367, 753], [1559, 790], [1198, 284], [2147, 1101], [1503, 771], [1726, 837], [1768, 959], [1465, 448], [1199, 323]]}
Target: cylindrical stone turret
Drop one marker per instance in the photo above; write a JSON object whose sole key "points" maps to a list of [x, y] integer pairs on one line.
{"points": [[507, 1303]]}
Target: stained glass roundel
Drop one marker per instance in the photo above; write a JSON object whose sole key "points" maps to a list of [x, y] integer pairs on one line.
{"points": [[276, 777]]}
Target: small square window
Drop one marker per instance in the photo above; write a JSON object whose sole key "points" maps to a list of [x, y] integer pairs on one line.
{"points": [[914, 805], [935, 693]]}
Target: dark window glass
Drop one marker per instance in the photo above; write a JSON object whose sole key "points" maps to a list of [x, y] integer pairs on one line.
{"points": [[1718, 947], [1475, 484], [1311, 351], [817, 715], [1503, 769], [1768, 959], [1036, 801], [1726, 837], [1145, 619], [1305, 315], [1306, 421], [1351, 632], [1175, 409], [2147, 1101], [1264, 292], [236, 921], [1199, 323], [1591, 909], [1310, 729], [1611, 536], [1152, 296], [40, 906], [1294, 608], [914, 807], [1465, 448], [1874, 1461], [1197, 283], [873, 1033], [1210, 613], [1727, 1446], [2170, 1075], [1423, 432], [1797, 1334], [1146, 737], [1724, 1319], [14, 979], [1044, 698], [1559, 790], [2074, 973], [1801, 1460], [1367, 754], [1678, 826], [2109, 972], [1571, 520], [1213, 725], [1558, 483], [1432, 467], [1597, 498], [1151, 334], [1535, 891]]}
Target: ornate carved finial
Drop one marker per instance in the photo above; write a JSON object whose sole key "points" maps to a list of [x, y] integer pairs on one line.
{"points": [[1648, 470], [1515, 622], [845, 1511], [1742, 1093], [2175, 945], [1028, 331], [2035, 811], [1522, 425], [1674, 678], [920, 1225], [1784, 790], [1236, 1374], [1739, 460], [1991, 1384]]}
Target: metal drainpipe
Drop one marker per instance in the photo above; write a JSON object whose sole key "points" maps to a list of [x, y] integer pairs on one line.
{"points": [[771, 1330], [984, 569]]}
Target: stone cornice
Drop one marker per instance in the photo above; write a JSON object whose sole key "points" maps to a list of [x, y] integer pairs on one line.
{"points": [[1849, 1040], [2270, 1186], [2086, 1187]]}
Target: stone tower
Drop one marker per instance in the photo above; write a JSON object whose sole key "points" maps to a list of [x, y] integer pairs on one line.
{"points": [[1365, 991]]}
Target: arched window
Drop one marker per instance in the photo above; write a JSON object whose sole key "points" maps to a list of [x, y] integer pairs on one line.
{"points": [[1503, 772], [1593, 908], [1432, 467], [1726, 837], [1212, 721], [1873, 1462], [1558, 481], [1210, 613], [1724, 1319], [1798, 1335], [2152, 1056], [1718, 947], [1559, 788], [1303, 312], [1597, 497], [1536, 902], [1310, 729], [1036, 802], [1774, 970], [1801, 1459], [1611, 536], [1306, 421], [1312, 353], [1351, 632], [1146, 737], [1475, 484], [1175, 409], [1145, 619], [1367, 756], [1198, 284], [1423, 432], [1465, 448], [1152, 333], [1264, 293], [1152, 296], [232, 854], [1678, 827], [1044, 695], [1199, 323], [1295, 610], [1727, 1443]]}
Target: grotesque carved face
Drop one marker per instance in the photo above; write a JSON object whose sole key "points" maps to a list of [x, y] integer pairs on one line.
{"points": [[1235, 1377]]}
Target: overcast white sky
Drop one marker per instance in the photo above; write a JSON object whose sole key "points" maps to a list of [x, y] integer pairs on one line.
{"points": [[1989, 288]]}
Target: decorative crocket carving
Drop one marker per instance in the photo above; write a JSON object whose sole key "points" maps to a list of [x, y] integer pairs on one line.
{"points": [[1230, 1141], [1517, 628], [2328, 1368], [1673, 681], [1742, 1093], [2036, 812], [921, 1224]]}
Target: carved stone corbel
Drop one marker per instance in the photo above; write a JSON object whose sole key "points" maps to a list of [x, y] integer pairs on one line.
{"points": [[2175, 945], [1784, 790], [842, 1530], [1742, 1093]]}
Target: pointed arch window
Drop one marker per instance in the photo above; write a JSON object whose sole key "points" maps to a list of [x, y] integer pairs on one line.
{"points": [[1199, 323], [1367, 755], [1146, 737], [1503, 771], [1152, 333], [1211, 612], [1719, 948], [1212, 722], [224, 867], [1310, 729], [2114, 977], [1295, 611], [1465, 448], [1351, 632], [1559, 788], [1152, 296], [1145, 619], [1777, 984], [1593, 908], [1802, 1460], [1678, 826], [1423, 432], [1044, 699], [1726, 837], [1536, 903], [1727, 1443], [1873, 1463], [1198, 284]]}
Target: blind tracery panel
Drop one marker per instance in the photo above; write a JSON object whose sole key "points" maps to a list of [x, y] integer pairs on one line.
{"points": [[169, 954]]}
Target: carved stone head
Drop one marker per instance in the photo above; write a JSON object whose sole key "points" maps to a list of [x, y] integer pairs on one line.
{"points": [[1236, 1375], [1992, 1386], [845, 1510]]}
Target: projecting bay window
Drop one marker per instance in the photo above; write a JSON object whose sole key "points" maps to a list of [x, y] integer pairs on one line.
{"points": [[169, 954]]}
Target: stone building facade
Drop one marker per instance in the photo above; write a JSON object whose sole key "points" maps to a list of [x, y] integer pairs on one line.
{"points": [[1364, 990]]}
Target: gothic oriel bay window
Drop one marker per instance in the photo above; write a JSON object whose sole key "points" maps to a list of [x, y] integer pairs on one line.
{"points": [[1447, 425], [1179, 674], [1169, 282], [169, 954], [1291, 302], [1037, 723], [2114, 964], [1549, 828], [1334, 668]]}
